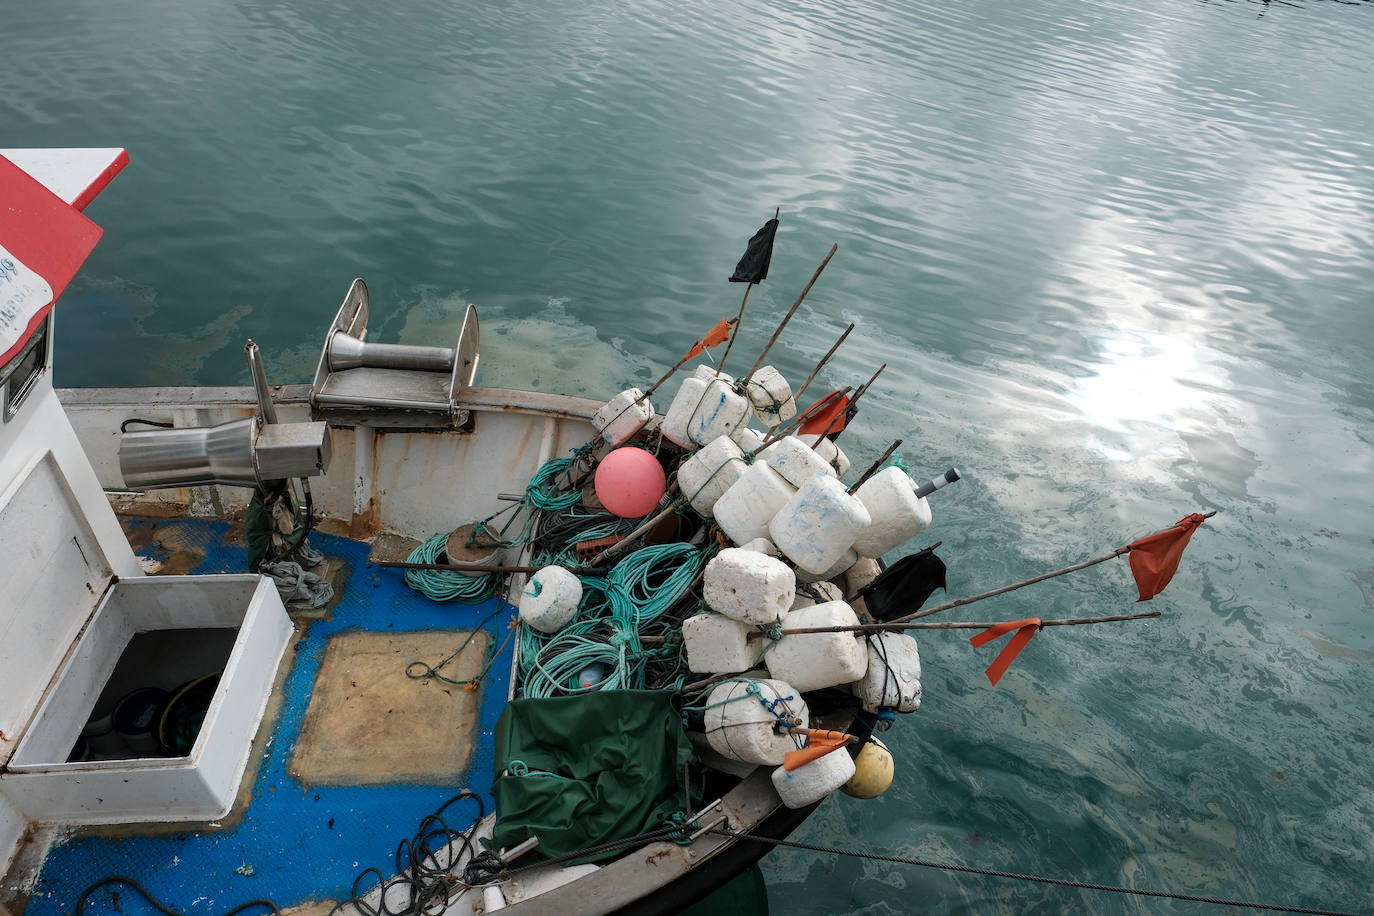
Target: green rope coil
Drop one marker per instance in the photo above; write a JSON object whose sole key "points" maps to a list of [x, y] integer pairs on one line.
{"points": [[443, 584], [606, 630], [543, 491]]}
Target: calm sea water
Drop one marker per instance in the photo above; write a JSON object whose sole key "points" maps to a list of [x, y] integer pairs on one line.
{"points": [[1115, 256]]}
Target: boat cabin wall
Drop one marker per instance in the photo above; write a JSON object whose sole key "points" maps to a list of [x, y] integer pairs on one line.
{"points": [[412, 482]]}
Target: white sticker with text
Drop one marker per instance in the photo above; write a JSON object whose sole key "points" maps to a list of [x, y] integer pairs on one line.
{"points": [[23, 293]]}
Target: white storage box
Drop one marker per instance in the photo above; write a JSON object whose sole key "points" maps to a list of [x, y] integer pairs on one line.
{"points": [[195, 625]]}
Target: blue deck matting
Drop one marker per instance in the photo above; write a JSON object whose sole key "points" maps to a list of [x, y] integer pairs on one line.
{"points": [[294, 843]]}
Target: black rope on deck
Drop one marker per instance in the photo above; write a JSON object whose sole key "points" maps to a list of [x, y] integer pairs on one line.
{"points": [[157, 904], [1037, 879]]}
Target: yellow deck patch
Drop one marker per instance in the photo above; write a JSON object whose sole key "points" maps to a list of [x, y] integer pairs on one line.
{"points": [[368, 723]]}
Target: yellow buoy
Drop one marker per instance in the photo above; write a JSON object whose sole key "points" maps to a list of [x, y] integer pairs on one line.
{"points": [[872, 771]]}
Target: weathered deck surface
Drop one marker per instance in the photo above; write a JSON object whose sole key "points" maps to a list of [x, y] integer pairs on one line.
{"points": [[306, 829]]}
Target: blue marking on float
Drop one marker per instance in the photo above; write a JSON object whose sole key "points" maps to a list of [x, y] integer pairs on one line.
{"points": [[294, 843]]}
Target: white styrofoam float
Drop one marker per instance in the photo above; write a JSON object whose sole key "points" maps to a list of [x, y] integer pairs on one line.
{"points": [[818, 524], [711, 470], [810, 661], [893, 678], [717, 644], [761, 545], [622, 416], [771, 396], [704, 408], [815, 779], [739, 726], [748, 586], [856, 577], [846, 560], [830, 453], [746, 509], [795, 461], [550, 599], [896, 512]]}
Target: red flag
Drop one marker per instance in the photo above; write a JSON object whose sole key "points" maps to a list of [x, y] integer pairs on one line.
{"points": [[829, 418], [1154, 558], [716, 335], [1025, 629]]}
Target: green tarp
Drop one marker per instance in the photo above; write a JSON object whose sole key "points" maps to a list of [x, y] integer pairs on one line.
{"points": [[598, 767]]}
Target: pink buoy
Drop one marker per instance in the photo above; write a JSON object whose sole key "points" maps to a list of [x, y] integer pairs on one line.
{"points": [[630, 482]]}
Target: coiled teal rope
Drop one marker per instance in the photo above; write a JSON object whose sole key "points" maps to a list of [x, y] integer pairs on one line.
{"points": [[612, 616], [442, 584]]}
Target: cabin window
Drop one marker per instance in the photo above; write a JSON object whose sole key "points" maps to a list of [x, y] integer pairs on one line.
{"points": [[24, 370]]}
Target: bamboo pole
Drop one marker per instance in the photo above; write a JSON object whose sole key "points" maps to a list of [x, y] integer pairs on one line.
{"points": [[637, 533], [788, 317], [777, 212], [1015, 585], [869, 384], [679, 364], [873, 468], [488, 568], [783, 430], [735, 332], [796, 396], [960, 602], [957, 625], [707, 682]]}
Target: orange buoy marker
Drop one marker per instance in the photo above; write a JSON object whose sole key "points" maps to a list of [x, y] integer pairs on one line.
{"points": [[821, 743], [812, 773]]}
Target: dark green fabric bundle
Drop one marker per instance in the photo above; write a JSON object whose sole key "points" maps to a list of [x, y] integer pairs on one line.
{"points": [[617, 756]]}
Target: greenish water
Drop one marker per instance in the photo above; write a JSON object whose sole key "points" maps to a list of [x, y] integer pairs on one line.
{"points": [[1116, 257]]}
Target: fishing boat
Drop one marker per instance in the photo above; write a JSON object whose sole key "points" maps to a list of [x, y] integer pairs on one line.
{"points": [[395, 642], [290, 642]]}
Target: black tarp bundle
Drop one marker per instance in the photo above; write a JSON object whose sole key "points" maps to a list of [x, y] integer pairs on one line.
{"points": [[904, 586]]}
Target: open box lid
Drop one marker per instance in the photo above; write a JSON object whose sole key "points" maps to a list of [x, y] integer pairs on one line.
{"points": [[56, 571]]}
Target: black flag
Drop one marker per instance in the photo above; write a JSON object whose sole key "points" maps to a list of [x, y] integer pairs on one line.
{"points": [[753, 267], [904, 586]]}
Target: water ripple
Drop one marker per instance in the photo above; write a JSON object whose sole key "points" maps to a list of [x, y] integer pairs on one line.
{"points": [[1115, 257]]}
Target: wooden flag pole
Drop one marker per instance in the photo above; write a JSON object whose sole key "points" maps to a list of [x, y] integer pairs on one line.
{"points": [[1015, 585], [487, 568], [848, 407], [690, 355], [873, 468], [863, 389], [788, 317], [777, 212], [782, 430], [957, 625], [796, 396], [734, 333]]}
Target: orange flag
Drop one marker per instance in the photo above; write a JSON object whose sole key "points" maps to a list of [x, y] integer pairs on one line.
{"points": [[1154, 558], [716, 335], [825, 419], [1025, 629], [818, 745]]}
